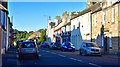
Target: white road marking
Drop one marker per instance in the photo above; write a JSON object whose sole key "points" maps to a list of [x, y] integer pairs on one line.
{"points": [[40, 55], [48, 51], [61, 55], [94, 64], [79, 60], [43, 50], [53, 52], [73, 59]]}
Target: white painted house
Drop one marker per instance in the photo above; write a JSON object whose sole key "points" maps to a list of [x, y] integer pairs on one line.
{"points": [[50, 31], [81, 28]]}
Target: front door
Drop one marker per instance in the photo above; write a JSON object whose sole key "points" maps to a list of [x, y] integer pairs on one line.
{"points": [[105, 45]]}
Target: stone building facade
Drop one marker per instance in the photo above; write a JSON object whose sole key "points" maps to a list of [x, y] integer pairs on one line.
{"points": [[105, 26]]}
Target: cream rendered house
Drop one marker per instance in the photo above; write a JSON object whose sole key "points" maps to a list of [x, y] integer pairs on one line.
{"points": [[81, 28]]}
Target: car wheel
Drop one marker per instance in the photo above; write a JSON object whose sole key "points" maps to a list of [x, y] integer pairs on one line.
{"points": [[80, 52], [85, 53], [100, 55], [36, 56], [20, 57], [73, 50], [63, 49]]}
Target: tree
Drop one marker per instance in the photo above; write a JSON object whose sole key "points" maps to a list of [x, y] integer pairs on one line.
{"points": [[31, 32], [42, 38]]}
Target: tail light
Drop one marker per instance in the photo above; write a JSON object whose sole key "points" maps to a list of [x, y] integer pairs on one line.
{"points": [[20, 48], [36, 48]]}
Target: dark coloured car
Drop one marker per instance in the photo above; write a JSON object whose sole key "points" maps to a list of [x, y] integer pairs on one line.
{"points": [[37, 43], [67, 46], [45, 45], [51, 45], [56, 45], [28, 49]]}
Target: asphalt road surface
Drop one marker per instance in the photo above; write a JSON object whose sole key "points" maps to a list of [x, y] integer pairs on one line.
{"points": [[48, 56]]}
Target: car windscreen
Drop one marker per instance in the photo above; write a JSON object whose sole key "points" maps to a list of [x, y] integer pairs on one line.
{"points": [[91, 45], [28, 45], [68, 44]]}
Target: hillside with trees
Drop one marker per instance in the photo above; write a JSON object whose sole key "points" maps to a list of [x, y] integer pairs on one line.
{"points": [[39, 35]]}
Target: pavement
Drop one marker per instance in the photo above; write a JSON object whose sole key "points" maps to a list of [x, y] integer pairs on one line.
{"points": [[48, 56]]}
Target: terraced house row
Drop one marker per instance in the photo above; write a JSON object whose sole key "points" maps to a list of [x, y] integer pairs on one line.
{"points": [[99, 23], [5, 29]]}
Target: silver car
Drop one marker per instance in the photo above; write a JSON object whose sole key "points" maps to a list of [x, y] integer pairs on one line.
{"points": [[90, 48], [28, 49]]}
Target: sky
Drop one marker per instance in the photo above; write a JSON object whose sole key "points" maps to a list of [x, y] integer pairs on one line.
{"points": [[31, 16]]}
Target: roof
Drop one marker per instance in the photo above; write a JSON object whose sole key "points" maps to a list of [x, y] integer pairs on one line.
{"points": [[61, 25], [92, 8], [2, 7]]}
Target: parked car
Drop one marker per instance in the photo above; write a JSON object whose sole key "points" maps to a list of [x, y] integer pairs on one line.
{"points": [[41, 44], [51, 45], [56, 45], [28, 49], [45, 45], [68, 46], [90, 48], [37, 43], [18, 44]]}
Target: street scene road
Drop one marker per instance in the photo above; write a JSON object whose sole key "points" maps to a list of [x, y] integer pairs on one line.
{"points": [[77, 33], [56, 57]]}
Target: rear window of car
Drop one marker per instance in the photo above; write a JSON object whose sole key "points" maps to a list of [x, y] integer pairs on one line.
{"points": [[28, 45]]}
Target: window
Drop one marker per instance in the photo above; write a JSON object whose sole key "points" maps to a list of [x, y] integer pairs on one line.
{"points": [[95, 19], [73, 27], [102, 40], [110, 40], [3, 19], [93, 3], [95, 39], [103, 17], [113, 14]]}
